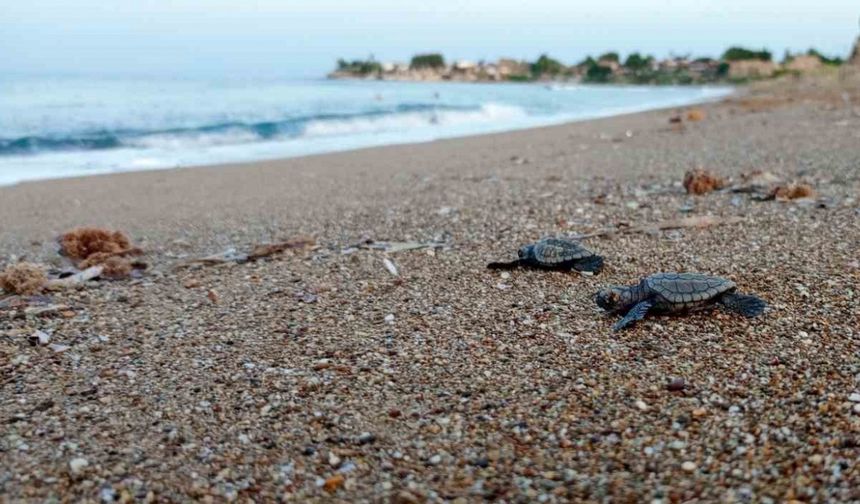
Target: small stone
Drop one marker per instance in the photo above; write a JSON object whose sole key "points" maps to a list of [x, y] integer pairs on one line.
{"points": [[333, 460], [688, 466], [856, 408], [56, 347], [40, 338], [389, 319], [333, 483], [78, 465], [699, 412], [366, 438], [435, 459], [855, 397], [481, 462], [641, 406], [676, 385]]}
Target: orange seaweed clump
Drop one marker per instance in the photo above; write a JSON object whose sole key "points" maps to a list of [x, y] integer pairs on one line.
{"points": [[695, 115], [81, 243], [701, 181], [23, 278], [793, 191], [90, 247], [116, 268]]}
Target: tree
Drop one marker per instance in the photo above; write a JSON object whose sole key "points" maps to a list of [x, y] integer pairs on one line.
{"points": [[636, 62], [741, 53], [610, 56], [546, 66], [429, 60], [824, 59], [598, 73]]}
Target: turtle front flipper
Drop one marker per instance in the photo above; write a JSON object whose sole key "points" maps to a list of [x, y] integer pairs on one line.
{"points": [[746, 305], [504, 265], [636, 313], [593, 264]]}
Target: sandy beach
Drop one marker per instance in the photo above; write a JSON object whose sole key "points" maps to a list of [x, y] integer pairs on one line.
{"points": [[317, 375]]}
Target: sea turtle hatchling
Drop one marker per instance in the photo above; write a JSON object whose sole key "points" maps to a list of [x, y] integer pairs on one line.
{"points": [[674, 293], [554, 253]]}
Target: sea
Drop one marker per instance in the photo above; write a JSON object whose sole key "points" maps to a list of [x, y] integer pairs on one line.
{"points": [[64, 127]]}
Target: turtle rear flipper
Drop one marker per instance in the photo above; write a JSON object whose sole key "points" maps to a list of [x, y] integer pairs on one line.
{"points": [[746, 305], [593, 264]]}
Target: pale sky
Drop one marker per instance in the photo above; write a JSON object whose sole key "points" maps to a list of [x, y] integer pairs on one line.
{"points": [[290, 38]]}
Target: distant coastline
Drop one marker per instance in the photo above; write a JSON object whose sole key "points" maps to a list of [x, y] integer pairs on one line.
{"points": [[736, 65]]}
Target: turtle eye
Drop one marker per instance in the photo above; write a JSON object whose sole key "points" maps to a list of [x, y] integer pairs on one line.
{"points": [[520, 253]]}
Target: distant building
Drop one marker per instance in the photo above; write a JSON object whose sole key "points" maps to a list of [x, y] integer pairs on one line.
{"points": [[751, 69], [508, 67], [805, 63]]}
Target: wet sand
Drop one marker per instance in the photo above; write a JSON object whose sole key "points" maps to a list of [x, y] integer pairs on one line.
{"points": [[317, 375]]}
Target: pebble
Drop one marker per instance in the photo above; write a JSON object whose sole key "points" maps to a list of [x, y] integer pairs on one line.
{"points": [[688, 466], [857, 409], [41, 337], [78, 465], [640, 404], [676, 385], [855, 397], [435, 459], [389, 319]]}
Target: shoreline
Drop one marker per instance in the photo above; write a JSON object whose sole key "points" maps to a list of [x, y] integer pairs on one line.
{"points": [[344, 373], [714, 94]]}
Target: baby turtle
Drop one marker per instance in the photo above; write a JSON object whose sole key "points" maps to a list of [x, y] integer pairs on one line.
{"points": [[673, 293], [554, 253]]}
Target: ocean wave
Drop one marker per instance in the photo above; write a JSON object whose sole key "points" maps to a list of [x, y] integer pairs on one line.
{"points": [[376, 120]]}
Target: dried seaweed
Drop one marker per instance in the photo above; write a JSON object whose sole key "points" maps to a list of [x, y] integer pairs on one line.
{"points": [[23, 278]]}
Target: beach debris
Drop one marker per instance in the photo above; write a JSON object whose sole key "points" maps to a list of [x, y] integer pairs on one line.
{"points": [[76, 279], [695, 115], [675, 119], [701, 181], [390, 266], [792, 191], [270, 249], [554, 253], [23, 278], [757, 181], [698, 221], [676, 292], [89, 247], [394, 247], [260, 251], [31, 306]]}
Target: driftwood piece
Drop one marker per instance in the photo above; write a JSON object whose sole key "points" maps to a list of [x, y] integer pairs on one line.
{"points": [[78, 278], [259, 251]]}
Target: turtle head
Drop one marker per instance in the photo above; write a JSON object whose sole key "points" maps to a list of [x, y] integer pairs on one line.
{"points": [[612, 298], [526, 252]]}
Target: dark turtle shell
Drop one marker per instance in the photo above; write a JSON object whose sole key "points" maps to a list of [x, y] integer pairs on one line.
{"points": [[551, 251], [687, 288]]}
